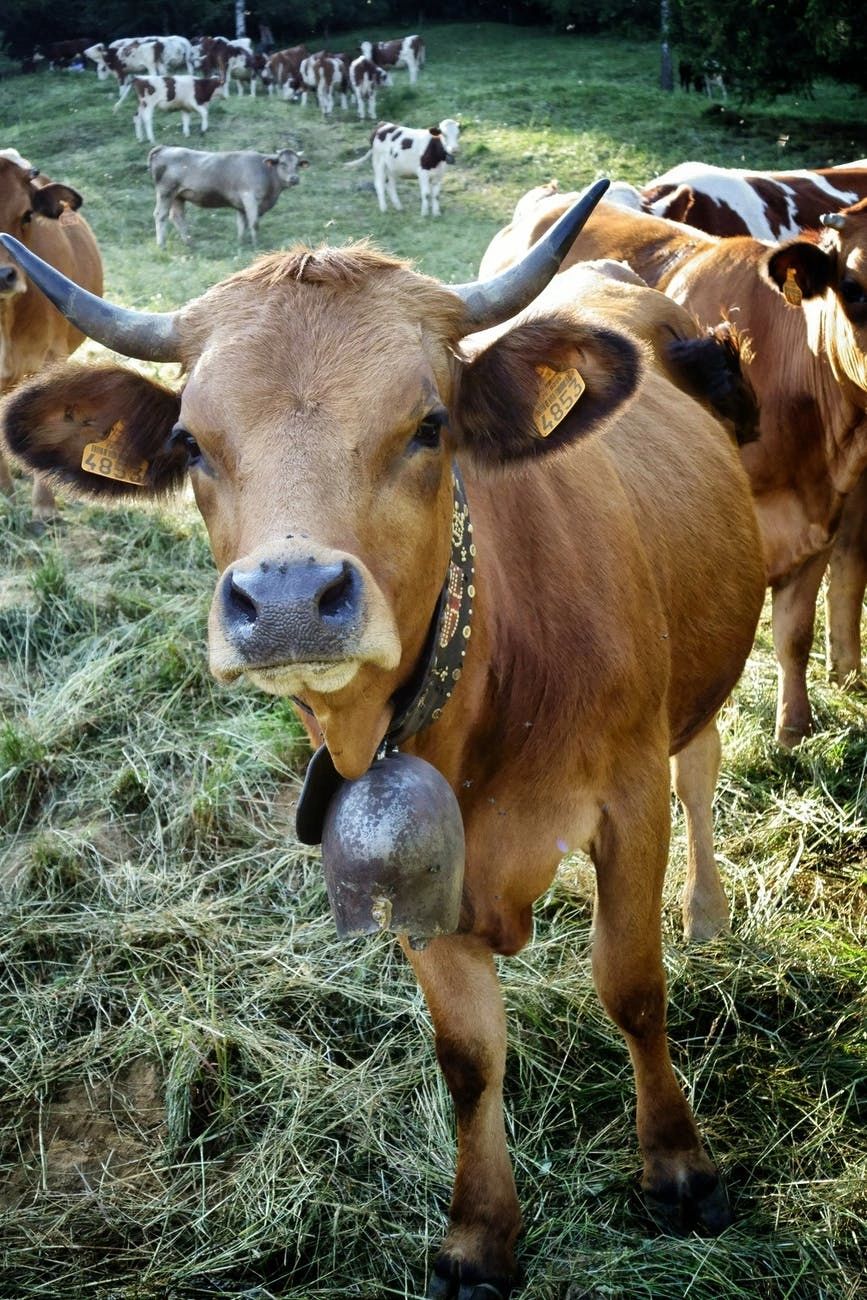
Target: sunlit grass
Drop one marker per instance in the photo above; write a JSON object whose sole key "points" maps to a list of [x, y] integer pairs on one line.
{"points": [[204, 1092]]}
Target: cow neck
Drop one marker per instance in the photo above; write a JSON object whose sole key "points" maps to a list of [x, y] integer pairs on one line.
{"points": [[421, 700]]}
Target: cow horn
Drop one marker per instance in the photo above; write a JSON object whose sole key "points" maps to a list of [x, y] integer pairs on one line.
{"points": [[833, 220], [491, 301], [148, 336]]}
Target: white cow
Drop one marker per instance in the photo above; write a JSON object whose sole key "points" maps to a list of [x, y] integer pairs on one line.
{"points": [[402, 151], [182, 95]]}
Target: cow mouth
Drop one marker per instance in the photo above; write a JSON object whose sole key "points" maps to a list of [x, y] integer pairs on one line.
{"points": [[299, 679]]}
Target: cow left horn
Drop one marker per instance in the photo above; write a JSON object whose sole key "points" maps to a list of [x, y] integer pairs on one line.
{"points": [[491, 301], [834, 220], [149, 336]]}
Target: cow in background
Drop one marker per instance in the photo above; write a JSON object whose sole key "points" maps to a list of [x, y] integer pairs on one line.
{"points": [[586, 613], [184, 95], [284, 69], [405, 151], [219, 57], [404, 52], [43, 214], [807, 362], [245, 180], [365, 78]]}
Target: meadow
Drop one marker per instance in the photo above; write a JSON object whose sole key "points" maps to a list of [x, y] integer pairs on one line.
{"points": [[203, 1092]]}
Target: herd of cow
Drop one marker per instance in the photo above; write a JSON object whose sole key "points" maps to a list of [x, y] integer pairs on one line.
{"points": [[687, 410], [149, 67]]}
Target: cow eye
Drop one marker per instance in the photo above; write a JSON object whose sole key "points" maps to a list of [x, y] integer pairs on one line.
{"points": [[852, 292], [429, 432], [25, 220], [182, 437]]}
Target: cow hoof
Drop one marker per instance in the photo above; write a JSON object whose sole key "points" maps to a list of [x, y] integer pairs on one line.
{"points": [[695, 1201], [457, 1280], [790, 737]]}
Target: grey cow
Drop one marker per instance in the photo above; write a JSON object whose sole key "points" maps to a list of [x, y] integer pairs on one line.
{"points": [[245, 180]]}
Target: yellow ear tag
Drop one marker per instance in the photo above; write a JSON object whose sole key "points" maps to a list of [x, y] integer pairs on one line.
{"points": [[791, 290], [107, 459], [558, 393]]}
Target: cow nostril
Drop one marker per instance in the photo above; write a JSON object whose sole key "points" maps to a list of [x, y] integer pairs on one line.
{"points": [[242, 603], [336, 598]]}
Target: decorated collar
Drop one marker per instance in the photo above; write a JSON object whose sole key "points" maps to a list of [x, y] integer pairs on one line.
{"points": [[422, 699]]}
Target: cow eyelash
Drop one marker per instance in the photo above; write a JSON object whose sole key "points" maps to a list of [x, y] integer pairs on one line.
{"points": [[429, 432], [182, 437]]}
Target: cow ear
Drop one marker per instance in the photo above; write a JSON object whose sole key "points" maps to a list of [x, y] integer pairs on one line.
{"points": [[801, 269], [541, 386], [51, 200], [103, 430]]}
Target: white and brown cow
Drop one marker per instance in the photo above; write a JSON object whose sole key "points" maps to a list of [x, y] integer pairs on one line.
{"points": [[184, 95], [326, 456], [730, 201], [405, 151], [403, 52], [224, 59], [365, 78], [284, 70]]}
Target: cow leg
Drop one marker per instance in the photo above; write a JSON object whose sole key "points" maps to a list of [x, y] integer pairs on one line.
{"points": [[162, 211], [185, 123], [203, 117], [137, 124], [6, 485], [251, 211], [460, 985], [435, 183], [793, 618], [847, 579], [695, 771], [241, 223], [371, 107], [630, 852], [359, 104], [425, 187], [178, 213]]}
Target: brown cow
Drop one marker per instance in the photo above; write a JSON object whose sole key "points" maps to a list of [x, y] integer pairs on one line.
{"points": [[323, 455], [778, 205], [808, 372], [43, 214]]}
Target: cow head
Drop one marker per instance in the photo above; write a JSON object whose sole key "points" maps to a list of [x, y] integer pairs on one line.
{"points": [[830, 277], [22, 199], [285, 164], [324, 402]]}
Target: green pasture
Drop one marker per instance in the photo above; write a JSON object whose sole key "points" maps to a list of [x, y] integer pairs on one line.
{"points": [[203, 1093]]}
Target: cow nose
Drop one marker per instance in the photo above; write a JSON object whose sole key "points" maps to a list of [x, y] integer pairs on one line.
{"points": [[292, 612], [8, 276]]}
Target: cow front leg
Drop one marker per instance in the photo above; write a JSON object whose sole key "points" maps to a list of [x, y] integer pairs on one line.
{"points": [[185, 123], [6, 485], [203, 117], [251, 211], [793, 618], [630, 853], [695, 771], [424, 187], [847, 580], [178, 213], [162, 211], [43, 504], [459, 982]]}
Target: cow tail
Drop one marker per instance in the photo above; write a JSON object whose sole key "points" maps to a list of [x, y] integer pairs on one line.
{"points": [[356, 162]]}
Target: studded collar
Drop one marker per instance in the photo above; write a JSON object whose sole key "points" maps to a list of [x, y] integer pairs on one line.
{"points": [[422, 699]]}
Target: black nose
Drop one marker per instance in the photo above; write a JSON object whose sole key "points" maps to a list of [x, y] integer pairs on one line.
{"points": [[284, 613], [8, 276]]}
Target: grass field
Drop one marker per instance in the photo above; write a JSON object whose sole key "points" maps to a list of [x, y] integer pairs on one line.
{"points": [[204, 1093]]}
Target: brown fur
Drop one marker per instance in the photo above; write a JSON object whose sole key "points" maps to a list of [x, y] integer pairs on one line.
{"points": [[806, 368], [594, 650]]}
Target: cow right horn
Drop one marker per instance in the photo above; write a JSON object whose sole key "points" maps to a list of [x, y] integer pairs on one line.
{"points": [[490, 301], [148, 336]]}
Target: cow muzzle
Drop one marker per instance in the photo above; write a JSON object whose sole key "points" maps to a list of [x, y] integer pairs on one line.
{"points": [[298, 623]]}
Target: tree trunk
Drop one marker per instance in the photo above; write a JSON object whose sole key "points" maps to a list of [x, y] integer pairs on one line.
{"points": [[240, 19], [666, 73]]}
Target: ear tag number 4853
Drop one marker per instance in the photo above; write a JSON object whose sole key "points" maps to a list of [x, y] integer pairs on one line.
{"points": [[558, 393], [107, 459]]}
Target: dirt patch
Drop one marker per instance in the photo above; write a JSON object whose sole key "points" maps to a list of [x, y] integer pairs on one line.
{"points": [[93, 1136]]}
